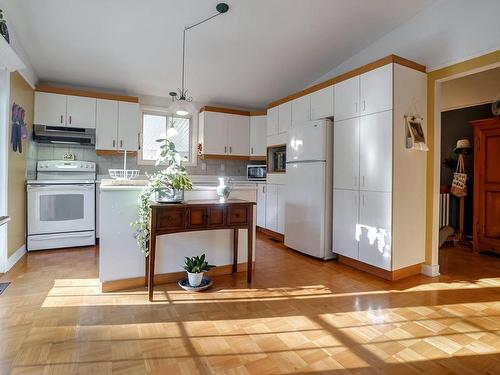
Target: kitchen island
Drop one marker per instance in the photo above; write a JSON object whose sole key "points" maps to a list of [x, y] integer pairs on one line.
{"points": [[121, 263]]}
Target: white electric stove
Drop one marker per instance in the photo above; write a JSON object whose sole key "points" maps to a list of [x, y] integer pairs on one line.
{"points": [[61, 205]]}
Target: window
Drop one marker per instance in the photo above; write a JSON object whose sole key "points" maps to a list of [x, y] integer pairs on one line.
{"points": [[154, 126]]}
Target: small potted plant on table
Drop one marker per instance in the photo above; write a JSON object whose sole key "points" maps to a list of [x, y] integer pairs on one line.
{"points": [[195, 268]]}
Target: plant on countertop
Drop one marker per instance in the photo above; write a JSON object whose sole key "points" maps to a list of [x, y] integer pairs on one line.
{"points": [[173, 176]]}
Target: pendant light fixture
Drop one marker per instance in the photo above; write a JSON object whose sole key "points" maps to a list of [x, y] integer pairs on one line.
{"points": [[181, 104], [171, 130]]}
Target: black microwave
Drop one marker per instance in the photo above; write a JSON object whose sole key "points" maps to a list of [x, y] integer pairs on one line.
{"points": [[256, 172]]}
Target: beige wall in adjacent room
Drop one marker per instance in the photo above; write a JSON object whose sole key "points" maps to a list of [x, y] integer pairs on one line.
{"points": [[471, 90], [22, 94]]}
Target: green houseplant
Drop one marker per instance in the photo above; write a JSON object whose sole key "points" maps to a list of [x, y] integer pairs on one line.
{"points": [[167, 182], [195, 268]]}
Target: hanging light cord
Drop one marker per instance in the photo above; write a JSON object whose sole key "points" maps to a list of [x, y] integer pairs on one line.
{"points": [[183, 94]]}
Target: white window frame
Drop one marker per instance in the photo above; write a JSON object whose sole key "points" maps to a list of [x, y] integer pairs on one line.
{"points": [[193, 131]]}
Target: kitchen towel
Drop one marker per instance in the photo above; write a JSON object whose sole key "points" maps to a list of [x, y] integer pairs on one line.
{"points": [[19, 130]]}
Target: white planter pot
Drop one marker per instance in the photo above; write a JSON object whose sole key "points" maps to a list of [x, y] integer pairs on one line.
{"points": [[195, 278]]}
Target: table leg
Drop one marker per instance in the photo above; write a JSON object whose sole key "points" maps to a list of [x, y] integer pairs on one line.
{"points": [[235, 250], [146, 270], [250, 245], [151, 255]]}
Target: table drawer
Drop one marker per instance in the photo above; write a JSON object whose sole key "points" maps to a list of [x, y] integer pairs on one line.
{"points": [[238, 215], [172, 219], [216, 216], [197, 217]]}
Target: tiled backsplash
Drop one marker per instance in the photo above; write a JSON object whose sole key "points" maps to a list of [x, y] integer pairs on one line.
{"points": [[204, 167]]}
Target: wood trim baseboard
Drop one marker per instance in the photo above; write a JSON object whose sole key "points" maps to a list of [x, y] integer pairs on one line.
{"points": [[85, 93], [353, 73], [387, 275], [230, 111], [222, 157], [270, 233], [114, 153], [166, 278]]}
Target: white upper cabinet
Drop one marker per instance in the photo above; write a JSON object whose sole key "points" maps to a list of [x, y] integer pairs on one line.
{"points": [[129, 119], [258, 135], [346, 154], [375, 230], [50, 109], [345, 221], [238, 134], [376, 90], [375, 152], [272, 121], [81, 112], [322, 103], [213, 132], [347, 99], [106, 124], [301, 110], [284, 117]]}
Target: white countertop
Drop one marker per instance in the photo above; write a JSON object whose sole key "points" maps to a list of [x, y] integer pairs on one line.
{"points": [[115, 185]]}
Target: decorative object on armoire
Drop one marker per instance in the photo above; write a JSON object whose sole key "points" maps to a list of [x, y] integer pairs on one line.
{"points": [[415, 137], [19, 130], [486, 206], [166, 186], [182, 104], [495, 106], [4, 31], [223, 190]]}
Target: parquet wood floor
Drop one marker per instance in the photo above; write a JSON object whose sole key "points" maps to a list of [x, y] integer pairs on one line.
{"points": [[301, 316]]}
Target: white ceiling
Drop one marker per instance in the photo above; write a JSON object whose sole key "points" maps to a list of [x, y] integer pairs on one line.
{"points": [[260, 51]]}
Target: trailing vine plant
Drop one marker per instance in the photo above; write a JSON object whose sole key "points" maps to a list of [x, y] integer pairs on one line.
{"points": [[173, 176]]}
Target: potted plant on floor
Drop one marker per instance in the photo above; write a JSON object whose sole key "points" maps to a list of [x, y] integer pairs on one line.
{"points": [[167, 185], [195, 268]]}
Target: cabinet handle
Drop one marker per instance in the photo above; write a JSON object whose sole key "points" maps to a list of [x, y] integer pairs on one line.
{"points": [[251, 150], [114, 143], [230, 149], [263, 188], [61, 119], [70, 119], [138, 141], [356, 105], [363, 181], [225, 149], [121, 143], [364, 105]]}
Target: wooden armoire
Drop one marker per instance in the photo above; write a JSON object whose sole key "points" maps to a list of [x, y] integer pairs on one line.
{"points": [[486, 235]]}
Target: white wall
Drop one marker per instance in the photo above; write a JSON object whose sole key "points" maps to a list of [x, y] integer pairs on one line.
{"points": [[471, 90], [442, 34]]}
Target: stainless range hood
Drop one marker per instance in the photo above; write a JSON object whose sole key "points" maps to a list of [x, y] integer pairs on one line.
{"points": [[63, 135]]}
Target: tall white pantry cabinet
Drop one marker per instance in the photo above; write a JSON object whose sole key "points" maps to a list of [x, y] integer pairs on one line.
{"points": [[379, 184]]}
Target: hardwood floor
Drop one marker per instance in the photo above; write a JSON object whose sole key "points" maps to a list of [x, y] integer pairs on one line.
{"points": [[301, 316]]}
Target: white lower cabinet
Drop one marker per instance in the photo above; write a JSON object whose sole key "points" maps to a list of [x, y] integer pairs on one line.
{"points": [[272, 207], [345, 222], [281, 209], [261, 205], [375, 229], [275, 208]]}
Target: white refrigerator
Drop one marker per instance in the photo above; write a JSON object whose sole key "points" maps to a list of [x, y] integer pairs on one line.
{"points": [[308, 207]]}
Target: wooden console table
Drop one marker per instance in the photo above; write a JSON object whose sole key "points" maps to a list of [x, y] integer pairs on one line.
{"points": [[199, 215]]}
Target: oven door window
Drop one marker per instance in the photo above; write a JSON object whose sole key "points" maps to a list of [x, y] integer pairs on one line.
{"points": [[62, 207]]}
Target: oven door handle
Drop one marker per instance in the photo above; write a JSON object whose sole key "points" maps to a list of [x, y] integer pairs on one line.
{"points": [[44, 237], [76, 187]]}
